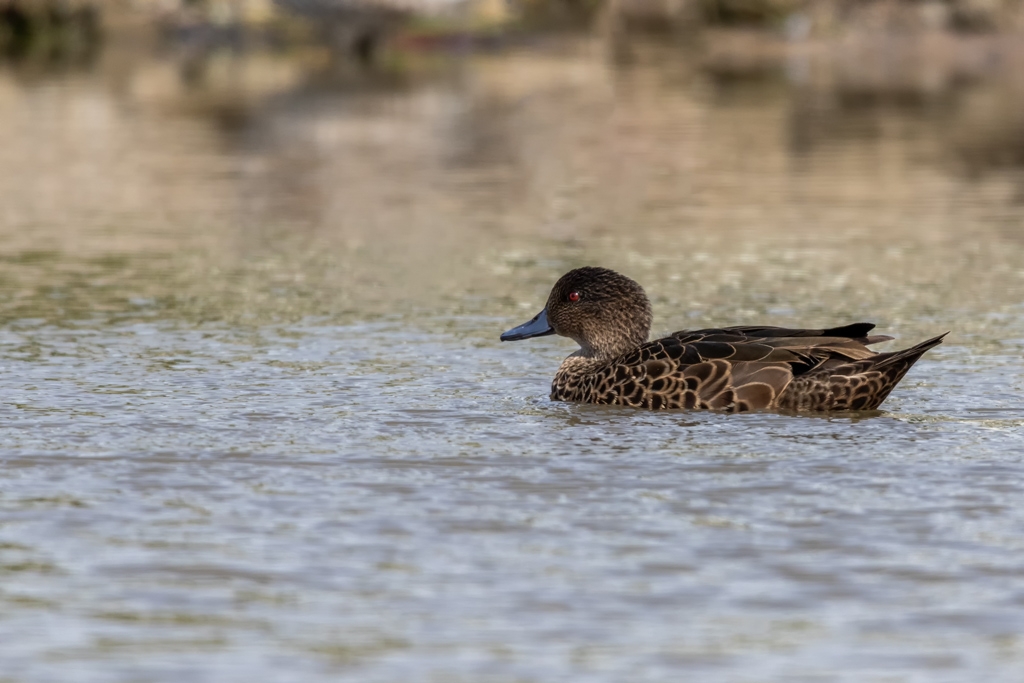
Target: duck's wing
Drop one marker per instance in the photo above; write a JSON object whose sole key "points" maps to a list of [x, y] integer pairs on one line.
{"points": [[737, 377], [715, 375], [752, 333]]}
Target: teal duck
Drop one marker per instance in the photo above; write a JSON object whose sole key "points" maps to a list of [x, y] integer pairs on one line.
{"points": [[732, 369]]}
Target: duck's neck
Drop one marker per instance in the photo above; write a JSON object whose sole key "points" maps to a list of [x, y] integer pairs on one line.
{"points": [[610, 345]]}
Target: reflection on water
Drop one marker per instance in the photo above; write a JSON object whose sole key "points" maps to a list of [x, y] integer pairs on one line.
{"points": [[256, 422]]}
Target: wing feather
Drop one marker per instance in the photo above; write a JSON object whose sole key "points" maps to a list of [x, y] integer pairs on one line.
{"points": [[744, 368]]}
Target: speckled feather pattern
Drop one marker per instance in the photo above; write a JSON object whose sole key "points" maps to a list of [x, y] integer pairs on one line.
{"points": [[738, 376], [732, 369]]}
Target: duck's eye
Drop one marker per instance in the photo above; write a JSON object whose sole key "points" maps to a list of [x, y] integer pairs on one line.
{"points": [[574, 296]]}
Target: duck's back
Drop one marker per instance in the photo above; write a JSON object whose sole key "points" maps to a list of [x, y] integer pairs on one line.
{"points": [[738, 369]]}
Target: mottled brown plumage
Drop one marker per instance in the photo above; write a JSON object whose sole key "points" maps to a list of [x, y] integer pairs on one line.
{"points": [[733, 369]]}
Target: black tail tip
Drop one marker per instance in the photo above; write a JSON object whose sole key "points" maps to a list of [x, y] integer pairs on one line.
{"points": [[929, 343]]}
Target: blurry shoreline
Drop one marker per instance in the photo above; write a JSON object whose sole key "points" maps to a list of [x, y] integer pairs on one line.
{"points": [[446, 144], [824, 84], [747, 30]]}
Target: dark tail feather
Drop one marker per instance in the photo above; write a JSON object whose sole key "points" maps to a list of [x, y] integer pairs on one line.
{"points": [[909, 356], [894, 367], [858, 332], [852, 331]]}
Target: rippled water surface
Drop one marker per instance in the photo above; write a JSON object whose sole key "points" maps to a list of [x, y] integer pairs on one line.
{"points": [[255, 422]]}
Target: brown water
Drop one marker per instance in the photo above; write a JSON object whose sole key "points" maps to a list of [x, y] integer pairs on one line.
{"points": [[256, 423]]}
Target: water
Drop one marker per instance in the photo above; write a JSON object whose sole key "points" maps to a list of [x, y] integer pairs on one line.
{"points": [[256, 423]]}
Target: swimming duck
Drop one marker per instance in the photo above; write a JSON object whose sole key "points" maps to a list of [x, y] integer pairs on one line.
{"points": [[732, 369]]}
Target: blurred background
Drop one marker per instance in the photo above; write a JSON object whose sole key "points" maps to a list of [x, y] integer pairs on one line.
{"points": [[322, 149], [255, 256]]}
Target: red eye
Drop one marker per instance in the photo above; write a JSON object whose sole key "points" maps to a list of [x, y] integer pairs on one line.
{"points": [[574, 296]]}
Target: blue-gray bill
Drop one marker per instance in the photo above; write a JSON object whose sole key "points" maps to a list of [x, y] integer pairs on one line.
{"points": [[537, 327]]}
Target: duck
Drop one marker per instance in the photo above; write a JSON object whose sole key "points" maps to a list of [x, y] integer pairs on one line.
{"points": [[727, 369]]}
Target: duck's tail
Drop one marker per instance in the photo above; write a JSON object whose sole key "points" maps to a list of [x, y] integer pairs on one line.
{"points": [[858, 385], [892, 368], [907, 357]]}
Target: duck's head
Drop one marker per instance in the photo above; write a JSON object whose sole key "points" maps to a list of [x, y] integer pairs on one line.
{"points": [[606, 313]]}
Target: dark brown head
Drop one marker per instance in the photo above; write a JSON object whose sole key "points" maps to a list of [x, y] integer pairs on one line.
{"points": [[606, 313]]}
